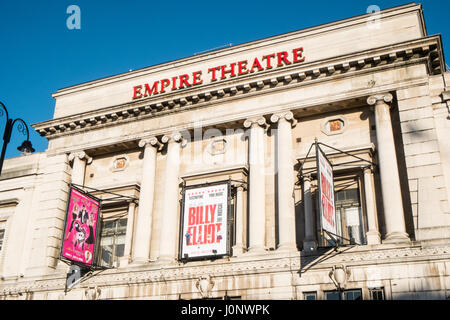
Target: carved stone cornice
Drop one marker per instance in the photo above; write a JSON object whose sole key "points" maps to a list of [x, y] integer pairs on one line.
{"points": [[426, 50]]}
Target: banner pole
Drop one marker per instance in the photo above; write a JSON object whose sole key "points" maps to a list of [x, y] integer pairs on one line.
{"points": [[319, 191]]}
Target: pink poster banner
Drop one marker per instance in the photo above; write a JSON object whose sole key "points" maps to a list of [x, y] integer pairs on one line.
{"points": [[80, 228], [326, 193]]}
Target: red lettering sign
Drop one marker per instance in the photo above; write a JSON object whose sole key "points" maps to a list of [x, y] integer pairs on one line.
{"points": [[282, 59]]}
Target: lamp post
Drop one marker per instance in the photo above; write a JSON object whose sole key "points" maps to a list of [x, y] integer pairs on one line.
{"points": [[26, 146], [340, 275]]}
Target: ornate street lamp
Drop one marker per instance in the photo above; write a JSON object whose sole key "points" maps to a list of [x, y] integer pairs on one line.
{"points": [[340, 275], [26, 147]]}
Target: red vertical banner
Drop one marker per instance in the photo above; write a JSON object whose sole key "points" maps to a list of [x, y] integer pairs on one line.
{"points": [[326, 193], [80, 230]]}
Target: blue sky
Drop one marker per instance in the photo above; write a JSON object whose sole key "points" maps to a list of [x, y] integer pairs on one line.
{"points": [[39, 54]]}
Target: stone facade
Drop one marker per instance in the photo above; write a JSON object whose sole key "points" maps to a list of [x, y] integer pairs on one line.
{"points": [[376, 91]]}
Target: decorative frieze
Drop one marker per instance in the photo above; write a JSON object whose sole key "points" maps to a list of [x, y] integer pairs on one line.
{"points": [[351, 257]]}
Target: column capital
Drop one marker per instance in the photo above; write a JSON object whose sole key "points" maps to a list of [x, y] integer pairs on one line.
{"points": [[175, 137], [369, 170], [150, 141], [307, 177], [385, 98], [287, 115], [257, 121], [80, 155]]}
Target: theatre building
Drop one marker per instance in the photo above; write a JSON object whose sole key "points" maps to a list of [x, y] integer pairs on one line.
{"points": [[309, 165]]}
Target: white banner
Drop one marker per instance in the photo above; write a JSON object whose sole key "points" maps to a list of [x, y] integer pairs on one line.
{"points": [[205, 224], [326, 195]]}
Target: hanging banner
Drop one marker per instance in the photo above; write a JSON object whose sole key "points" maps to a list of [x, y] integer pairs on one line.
{"points": [[326, 192], [80, 228], [204, 231]]}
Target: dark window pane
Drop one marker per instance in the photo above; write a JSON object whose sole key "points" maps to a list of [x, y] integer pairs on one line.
{"points": [[106, 255], [108, 225], [353, 295], [332, 295], [119, 250], [122, 223], [310, 296], [377, 294], [2, 236], [113, 241], [353, 195]]}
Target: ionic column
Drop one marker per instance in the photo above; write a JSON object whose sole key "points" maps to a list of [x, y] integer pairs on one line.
{"points": [[80, 160], [257, 186], [390, 181], [239, 223], [129, 235], [285, 179], [169, 224], [141, 252], [372, 235], [309, 243]]}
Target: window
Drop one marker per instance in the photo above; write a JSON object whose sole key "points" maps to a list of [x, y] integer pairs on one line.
{"points": [[227, 297], [332, 295], [310, 295], [349, 215], [350, 222], [377, 294], [112, 243], [353, 295], [7, 208], [346, 295], [2, 234]]}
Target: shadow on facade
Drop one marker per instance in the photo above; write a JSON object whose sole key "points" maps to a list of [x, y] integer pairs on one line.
{"points": [[403, 170], [311, 259]]}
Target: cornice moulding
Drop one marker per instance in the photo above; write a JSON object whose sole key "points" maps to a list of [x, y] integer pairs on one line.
{"points": [[423, 50], [239, 119]]}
